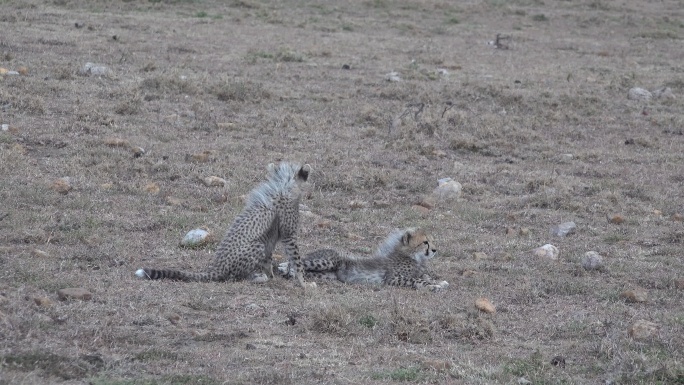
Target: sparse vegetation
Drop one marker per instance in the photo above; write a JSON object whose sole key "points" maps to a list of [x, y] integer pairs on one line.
{"points": [[537, 126]]}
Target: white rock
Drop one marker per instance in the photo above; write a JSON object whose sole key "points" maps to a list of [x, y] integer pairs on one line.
{"points": [[547, 251], [637, 93], [5, 127], [442, 72], [393, 77], [214, 181], [448, 189], [592, 261], [94, 69], [195, 237], [563, 229]]}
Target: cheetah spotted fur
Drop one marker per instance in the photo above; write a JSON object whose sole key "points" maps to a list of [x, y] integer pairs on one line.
{"points": [[270, 215]]}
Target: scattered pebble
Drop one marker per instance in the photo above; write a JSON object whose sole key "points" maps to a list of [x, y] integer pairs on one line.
{"points": [[480, 256], [524, 381], [116, 142], [428, 202], [642, 329], [24, 71], [616, 219], [563, 229], [152, 188], [3, 71], [196, 237], [214, 181], [637, 93], [469, 273], [438, 365], [62, 185], [42, 301], [324, 224], [39, 253], [94, 70], [420, 209], [592, 261], [679, 284], [381, 204], [524, 232], [443, 72], [511, 231], [250, 347], [635, 295], [677, 217], [74, 293], [547, 251], [483, 304], [439, 153], [201, 157], [358, 204], [392, 77], [346, 67], [174, 318], [448, 189]]}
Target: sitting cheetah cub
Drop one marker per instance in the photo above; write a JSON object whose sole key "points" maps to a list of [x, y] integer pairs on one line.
{"points": [[271, 215], [401, 260]]}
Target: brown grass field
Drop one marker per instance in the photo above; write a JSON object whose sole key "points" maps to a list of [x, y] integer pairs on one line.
{"points": [[538, 130]]}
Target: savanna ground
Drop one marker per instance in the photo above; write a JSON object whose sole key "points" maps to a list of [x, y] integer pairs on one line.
{"points": [[539, 131]]}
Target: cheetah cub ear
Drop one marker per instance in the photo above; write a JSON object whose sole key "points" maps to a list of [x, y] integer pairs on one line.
{"points": [[406, 238], [304, 171]]}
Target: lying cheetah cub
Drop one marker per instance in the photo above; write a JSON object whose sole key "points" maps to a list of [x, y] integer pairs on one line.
{"points": [[401, 260], [271, 215]]}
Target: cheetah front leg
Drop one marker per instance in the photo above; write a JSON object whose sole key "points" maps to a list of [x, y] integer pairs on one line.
{"points": [[292, 253], [417, 283]]}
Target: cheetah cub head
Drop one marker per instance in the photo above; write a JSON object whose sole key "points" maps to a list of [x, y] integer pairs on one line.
{"points": [[419, 244], [297, 172], [412, 242]]}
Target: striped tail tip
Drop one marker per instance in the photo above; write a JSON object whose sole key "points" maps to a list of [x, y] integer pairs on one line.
{"points": [[141, 273]]}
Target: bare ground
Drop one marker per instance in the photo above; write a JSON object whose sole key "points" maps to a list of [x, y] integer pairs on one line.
{"points": [[538, 131]]}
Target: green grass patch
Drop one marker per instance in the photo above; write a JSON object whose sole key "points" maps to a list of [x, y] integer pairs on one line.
{"points": [[164, 380], [368, 321], [154, 355], [409, 374]]}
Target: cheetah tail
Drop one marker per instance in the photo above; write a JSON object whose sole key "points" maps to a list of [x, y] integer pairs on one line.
{"points": [[172, 274]]}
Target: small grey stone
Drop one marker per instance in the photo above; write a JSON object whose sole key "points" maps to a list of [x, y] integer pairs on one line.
{"points": [[563, 229], [637, 93], [592, 261]]}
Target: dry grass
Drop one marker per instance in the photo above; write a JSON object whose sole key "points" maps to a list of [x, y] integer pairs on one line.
{"points": [[538, 134]]}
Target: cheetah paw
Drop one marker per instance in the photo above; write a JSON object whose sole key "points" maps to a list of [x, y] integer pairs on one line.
{"points": [[439, 286], [285, 270]]}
